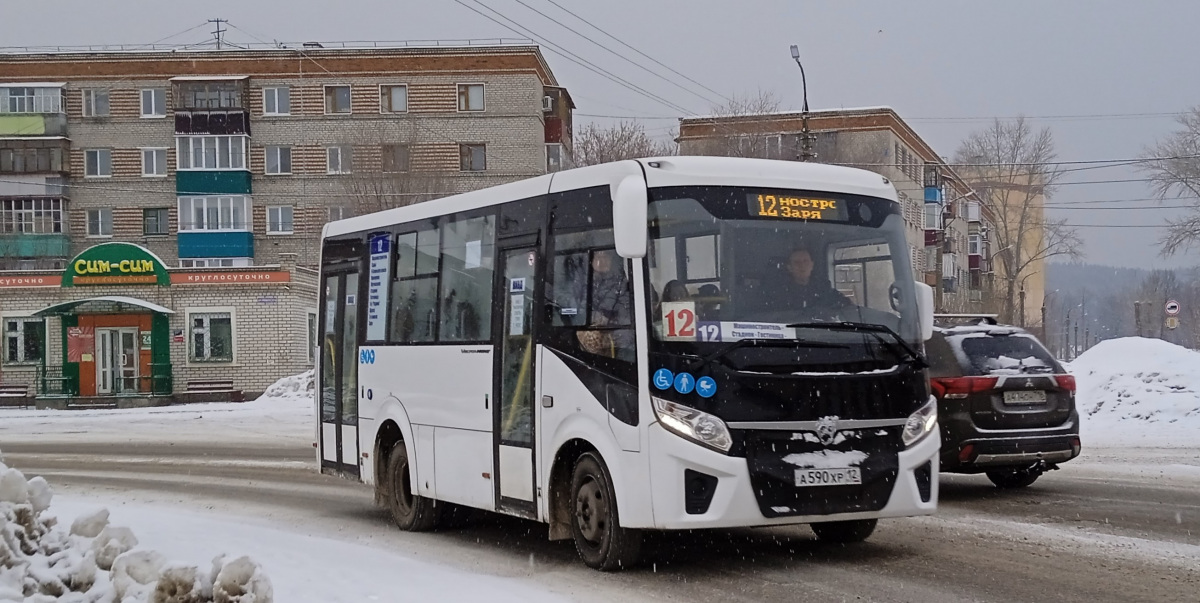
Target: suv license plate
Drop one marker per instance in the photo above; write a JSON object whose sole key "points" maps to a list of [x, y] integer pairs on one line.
{"points": [[1025, 397], [842, 476]]}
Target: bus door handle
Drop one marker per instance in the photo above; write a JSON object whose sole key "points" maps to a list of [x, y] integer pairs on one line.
{"points": [[547, 401]]}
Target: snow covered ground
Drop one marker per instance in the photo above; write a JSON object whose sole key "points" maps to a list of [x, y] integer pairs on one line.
{"points": [[1136, 392]]}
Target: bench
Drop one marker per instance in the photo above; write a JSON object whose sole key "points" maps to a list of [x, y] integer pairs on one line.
{"points": [[15, 395], [213, 390]]}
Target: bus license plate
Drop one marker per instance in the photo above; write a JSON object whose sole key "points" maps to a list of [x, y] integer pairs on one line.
{"points": [[843, 476], [1025, 397]]}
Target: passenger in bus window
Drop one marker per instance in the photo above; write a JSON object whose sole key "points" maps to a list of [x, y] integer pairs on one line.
{"points": [[612, 303]]}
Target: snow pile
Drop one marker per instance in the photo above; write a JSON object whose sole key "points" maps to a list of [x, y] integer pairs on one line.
{"points": [[95, 562], [1138, 392], [291, 388]]}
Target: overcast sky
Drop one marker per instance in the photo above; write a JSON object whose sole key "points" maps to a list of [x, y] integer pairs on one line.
{"points": [[931, 60]]}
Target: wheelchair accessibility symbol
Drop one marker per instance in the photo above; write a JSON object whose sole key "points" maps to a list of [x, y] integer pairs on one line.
{"points": [[663, 379]]}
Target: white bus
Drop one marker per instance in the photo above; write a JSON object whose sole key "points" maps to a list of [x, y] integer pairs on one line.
{"points": [[659, 344]]}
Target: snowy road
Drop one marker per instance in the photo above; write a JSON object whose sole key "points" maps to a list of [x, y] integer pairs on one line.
{"points": [[1117, 525]]}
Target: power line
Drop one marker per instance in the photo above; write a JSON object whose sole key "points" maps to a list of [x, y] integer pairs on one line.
{"points": [[615, 53], [570, 56], [979, 118], [623, 43]]}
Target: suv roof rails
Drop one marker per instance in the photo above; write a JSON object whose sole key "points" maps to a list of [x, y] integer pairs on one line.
{"points": [[966, 319]]}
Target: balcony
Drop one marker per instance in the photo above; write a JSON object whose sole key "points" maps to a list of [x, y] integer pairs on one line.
{"points": [[34, 155], [216, 244], [33, 124], [34, 245], [211, 104]]}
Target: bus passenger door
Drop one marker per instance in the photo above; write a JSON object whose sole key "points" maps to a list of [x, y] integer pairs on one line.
{"points": [[338, 380], [513, 414]]}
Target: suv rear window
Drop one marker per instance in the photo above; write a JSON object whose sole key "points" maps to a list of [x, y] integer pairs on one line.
{"points": [[1006, 355]]}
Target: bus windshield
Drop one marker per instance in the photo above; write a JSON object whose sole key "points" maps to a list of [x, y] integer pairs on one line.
{"points": [[732, 263]]}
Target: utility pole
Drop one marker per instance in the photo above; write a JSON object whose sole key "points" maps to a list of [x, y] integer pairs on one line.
{"points": [[219, 33], [1137, 317], [805, 152], [1021, 312]]}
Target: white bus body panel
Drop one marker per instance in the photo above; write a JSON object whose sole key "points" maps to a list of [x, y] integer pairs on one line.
{"points": [[764, 173], [440, 397], [733, 502], [577, 414]]}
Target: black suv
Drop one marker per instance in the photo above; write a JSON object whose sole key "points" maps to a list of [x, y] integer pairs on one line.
{"points": [[1006, 406]]}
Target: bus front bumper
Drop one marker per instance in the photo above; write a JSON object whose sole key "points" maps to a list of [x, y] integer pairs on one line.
{"points": [[731, 502]]}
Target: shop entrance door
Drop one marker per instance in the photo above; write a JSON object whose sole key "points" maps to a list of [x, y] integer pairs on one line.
{"points": [[117, 361]]}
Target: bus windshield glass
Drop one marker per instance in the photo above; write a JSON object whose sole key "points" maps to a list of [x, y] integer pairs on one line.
{"points": [[729, 264]]}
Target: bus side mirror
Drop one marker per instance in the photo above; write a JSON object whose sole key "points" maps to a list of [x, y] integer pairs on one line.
{"points": [[925, 310], [629, 217]]}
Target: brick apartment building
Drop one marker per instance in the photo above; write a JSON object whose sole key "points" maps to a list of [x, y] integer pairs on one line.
{"points": [[947, 229], [140, 175]]}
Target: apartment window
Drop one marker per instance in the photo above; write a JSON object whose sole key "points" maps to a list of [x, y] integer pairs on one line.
{"points": [[337, 99], [210, 152], [211, 95], [336, 212], [277, 101], [279, 219], [99, 222], [31, 100], [212, 337], [395, 158], [393, 99], [154, 162], [40, 216], [154, 102], [933, 216], [472, 157], [97, 163], [214, 213], [470, 97], [338, 160], [31, 160], [554, 157], [154, 221], [95, 103], [214, 262], [973, 244], [24, 340], [279, 160]]}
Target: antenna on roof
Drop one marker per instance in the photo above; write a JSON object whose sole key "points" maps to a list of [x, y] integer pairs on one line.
{"points": [[219, 33]]}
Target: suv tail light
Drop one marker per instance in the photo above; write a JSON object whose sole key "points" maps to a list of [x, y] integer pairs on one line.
{"points": [[1066, 382], [959, 387]]}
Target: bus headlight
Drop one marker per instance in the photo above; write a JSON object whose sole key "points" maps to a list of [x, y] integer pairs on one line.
{"points": [[920, 423], [697, 426]]}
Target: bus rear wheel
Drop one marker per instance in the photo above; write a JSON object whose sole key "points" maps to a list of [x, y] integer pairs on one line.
{"points": [[412, 512], [599, 538], [854, 530]]}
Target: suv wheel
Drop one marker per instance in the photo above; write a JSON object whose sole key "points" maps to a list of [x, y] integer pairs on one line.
{"points": [[854, 530], [1010, 478]]}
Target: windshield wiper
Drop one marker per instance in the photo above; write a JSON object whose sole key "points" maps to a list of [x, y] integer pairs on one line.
{"points": [[878, 331], [741, 343]]}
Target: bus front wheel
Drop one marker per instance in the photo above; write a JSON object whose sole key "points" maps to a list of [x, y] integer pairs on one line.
{"points": [[601, 541], [410, 511]]}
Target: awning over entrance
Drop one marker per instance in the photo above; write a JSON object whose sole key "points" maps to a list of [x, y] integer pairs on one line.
{"points": [[105, 303]]}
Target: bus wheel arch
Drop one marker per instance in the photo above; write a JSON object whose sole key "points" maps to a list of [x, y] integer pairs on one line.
{"points": [[386, 439], [559, 511]]}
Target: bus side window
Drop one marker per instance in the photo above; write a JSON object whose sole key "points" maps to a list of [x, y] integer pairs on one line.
{"points": [[468, 258], [590, 301], [414, 292]]}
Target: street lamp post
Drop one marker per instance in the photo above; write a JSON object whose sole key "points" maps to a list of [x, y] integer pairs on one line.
{"points": [[806, 152]]}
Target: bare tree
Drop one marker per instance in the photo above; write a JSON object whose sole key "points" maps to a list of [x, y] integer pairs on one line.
{"points": [[739, 130], [1174, 169], [625, 140], [1012, 170]]}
